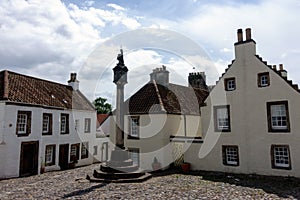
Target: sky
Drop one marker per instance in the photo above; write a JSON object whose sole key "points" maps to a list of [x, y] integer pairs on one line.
{"points": [[50, 39]]}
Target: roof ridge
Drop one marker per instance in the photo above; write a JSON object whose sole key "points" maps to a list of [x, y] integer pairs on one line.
{"points": [[158, 96], [35, 78]]}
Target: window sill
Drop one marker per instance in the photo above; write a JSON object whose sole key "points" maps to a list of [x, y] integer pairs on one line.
{"points": [[279, 131], [23, 134], [283, 168], [132, 137], [47, 133], [223, 130], [231, 165]]}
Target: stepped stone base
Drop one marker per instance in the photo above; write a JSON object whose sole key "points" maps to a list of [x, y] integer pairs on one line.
{"points": [[120, 169]]}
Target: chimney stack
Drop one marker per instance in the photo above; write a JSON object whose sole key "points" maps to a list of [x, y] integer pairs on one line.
{"points": [[197, 80], [160, 75], [73, 81], [282, 71], [240, 35], [248, 34]]}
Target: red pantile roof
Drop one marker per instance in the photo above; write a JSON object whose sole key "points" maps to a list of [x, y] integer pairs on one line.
{"points": [[173, 99], [38, 92], [101, 118]]}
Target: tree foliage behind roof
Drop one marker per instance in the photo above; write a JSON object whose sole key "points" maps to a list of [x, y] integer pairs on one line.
{"points": [[102, 106]]}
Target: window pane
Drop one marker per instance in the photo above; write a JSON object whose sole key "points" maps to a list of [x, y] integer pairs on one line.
{"points": [[21, 123], [278, 116], [232, 155], [46, 121], [222, 118], [134, 127], [63, 124], [134, 155], [281, 156]]}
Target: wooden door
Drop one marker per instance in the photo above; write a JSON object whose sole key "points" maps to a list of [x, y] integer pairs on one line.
{"points": [[29, 158], [64, 156]]}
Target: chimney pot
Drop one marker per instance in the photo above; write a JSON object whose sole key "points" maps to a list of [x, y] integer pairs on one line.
{"points": [[240, 35], [73, 77], [248, 34], [274, 67], [73, 81], [281, 67]]}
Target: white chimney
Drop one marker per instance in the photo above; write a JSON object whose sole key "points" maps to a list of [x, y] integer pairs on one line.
{"points": [[244, 49], [160, 75], [73, 81]]}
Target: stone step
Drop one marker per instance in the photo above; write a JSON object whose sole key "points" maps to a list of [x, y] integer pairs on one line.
{"points": [[124, 179], [124, 163], [117, 169]]}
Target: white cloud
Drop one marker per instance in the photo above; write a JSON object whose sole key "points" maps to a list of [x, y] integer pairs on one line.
{"points": [[272, 23], [49, 39], [115, 6]]}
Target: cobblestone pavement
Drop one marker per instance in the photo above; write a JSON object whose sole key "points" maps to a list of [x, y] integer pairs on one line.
{"points": [[71, 184]]}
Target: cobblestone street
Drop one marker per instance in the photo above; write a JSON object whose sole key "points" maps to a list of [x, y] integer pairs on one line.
{"points": [[71, 184]]}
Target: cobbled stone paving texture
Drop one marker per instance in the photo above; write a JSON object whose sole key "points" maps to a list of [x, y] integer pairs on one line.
{"points": [[71, 184]]}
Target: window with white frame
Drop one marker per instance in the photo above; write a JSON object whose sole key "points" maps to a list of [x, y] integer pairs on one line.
{"points": [[280, 156], [23, 123], [64, 123], [77, 124], [263, 79], [50, 155], [278, 117], [47, 124], [229, 84], [87, 125], [222, 118], [84, 150], [74, 153], [134, 126], [134, 155], [230, 155]]}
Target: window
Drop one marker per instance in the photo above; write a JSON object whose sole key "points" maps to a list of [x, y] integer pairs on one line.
{"points": [[84, 150], [50, 155], [230, 155], [87, 125], [134, 155], [278, 116], [263, 79], [229, 84], [64, 123], [74, 153], [77, 125], [222, 118], [47, 124], [95, 150], [280, 156], [134, 123], [23, 127]]}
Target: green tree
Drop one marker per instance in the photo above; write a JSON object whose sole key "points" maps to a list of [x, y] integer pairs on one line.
{"points": [[102, 106]]}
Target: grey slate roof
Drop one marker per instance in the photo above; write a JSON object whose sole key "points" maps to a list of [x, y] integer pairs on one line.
{"points": [[173, 99]]}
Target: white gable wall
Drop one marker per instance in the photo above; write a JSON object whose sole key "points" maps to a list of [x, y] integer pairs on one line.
{"points": [[248, 113]]}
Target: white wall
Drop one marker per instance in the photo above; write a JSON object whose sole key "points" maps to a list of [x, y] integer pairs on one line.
{"points": [[11, 150], [249, 128], [155, 131]]}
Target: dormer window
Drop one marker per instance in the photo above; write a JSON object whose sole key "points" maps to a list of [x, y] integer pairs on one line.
{"points": [[230, 84], [263, 79]]}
